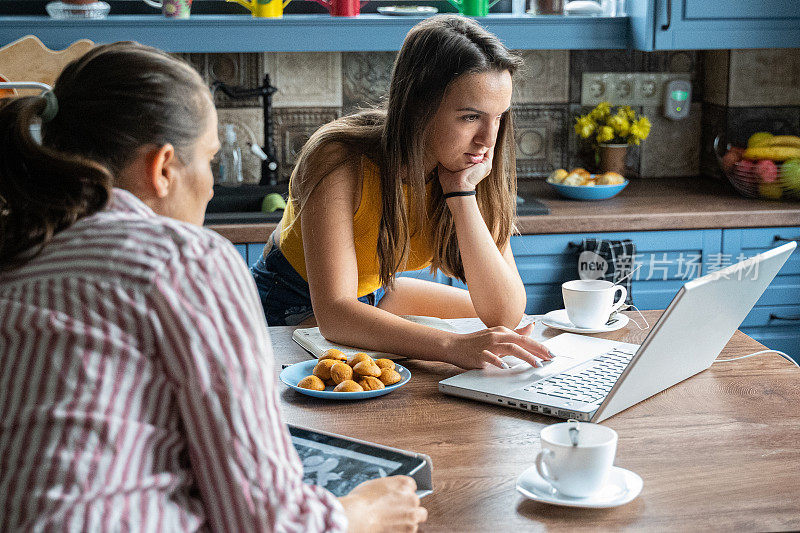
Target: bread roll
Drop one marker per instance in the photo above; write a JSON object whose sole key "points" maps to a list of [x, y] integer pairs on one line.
{"points": [[585, 174], [610, 178], [573, 179], [557, 176]]}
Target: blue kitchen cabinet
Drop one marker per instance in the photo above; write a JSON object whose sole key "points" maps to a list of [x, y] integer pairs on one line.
{"points": [[425, 274], [306, 32], [775, 319], [668, 259], [254, 251], [242, 249], [713, 24]]}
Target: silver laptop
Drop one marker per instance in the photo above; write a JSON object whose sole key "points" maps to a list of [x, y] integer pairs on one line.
{"points": [[593, 379]]}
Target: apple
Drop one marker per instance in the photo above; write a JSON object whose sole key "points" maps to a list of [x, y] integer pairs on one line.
{"points": [[731, 157], [767, 171]]}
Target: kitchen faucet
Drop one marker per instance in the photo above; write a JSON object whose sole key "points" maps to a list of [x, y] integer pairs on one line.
{"points": [[267, 153]]}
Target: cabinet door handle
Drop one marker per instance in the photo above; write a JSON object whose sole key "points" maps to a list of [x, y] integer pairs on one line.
{"points": [[778, 238], [776, 317], [665, 27]]}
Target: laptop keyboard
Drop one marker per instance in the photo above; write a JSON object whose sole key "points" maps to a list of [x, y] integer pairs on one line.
{"points": [[586, 383]]}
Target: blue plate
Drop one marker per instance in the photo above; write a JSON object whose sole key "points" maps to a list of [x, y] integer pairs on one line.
{"points": [[291, 376], [581, 192]]}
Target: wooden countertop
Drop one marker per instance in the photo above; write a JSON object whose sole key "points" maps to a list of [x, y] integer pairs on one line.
{"points": [[717, 451], [645, 204]]}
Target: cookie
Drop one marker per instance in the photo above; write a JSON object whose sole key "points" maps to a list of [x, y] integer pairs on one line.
{"points": [[367, 368], [323, 369], [348, 386], [311, 383], [371, 383], [341, 372]]}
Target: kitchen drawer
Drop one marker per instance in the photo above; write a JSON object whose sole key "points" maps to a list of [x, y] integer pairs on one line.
{"points": [[784, 339], [668, 259], [774, 316], [743, 243]]}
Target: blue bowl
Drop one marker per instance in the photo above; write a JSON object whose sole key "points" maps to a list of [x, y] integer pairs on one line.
{"points": [[582, 192]]}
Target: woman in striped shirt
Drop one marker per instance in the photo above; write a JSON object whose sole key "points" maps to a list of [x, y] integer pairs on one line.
{"points": [[136, 379]]}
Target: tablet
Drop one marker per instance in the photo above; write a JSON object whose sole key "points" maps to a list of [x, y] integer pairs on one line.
{"points": [[338, 463]]}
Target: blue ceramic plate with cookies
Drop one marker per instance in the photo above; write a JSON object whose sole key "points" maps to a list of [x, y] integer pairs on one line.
{"points": [[291, 376]]}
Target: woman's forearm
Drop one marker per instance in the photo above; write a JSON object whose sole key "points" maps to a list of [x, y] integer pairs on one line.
{"points": [[495, 287], [354, 323]]}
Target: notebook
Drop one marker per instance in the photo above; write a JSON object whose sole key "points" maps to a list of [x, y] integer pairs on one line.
{"points": [[592, 379], [314, 343]]}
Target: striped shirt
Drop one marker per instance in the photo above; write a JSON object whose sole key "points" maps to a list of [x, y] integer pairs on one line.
{"points": [[137, 390]]}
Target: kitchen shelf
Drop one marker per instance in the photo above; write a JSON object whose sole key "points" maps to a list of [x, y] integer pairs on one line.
{"points": [[309, 33]]}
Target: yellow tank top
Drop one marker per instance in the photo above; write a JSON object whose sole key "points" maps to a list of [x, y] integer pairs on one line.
{"points": [[366, 221]]}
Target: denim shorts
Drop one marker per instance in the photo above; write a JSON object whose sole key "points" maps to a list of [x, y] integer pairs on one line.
{"points": [[284, 293]]}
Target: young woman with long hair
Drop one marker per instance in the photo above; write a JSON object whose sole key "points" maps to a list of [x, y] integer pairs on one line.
{"points": [[136, 381], [428, 181]]}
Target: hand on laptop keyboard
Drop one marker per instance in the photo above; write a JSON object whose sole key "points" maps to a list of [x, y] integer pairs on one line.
{"points": [[476, 350]]}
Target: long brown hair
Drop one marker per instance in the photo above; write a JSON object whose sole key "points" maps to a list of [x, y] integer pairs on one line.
{"points": [[113, 100], [434, 54]]}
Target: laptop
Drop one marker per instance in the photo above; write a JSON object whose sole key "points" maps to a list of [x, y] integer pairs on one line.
{"points": [[592, 379]]}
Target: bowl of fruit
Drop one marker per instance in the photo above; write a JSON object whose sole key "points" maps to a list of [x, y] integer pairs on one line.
{"points": [[579, 184], [768, 168]]}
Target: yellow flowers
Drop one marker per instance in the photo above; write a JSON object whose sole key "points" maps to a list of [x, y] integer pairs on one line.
{"points": [[640, 130], [605, 134], [584, 126], [620, 127]]}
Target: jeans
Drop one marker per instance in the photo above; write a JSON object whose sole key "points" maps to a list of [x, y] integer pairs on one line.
{"points": [[284, 293]]}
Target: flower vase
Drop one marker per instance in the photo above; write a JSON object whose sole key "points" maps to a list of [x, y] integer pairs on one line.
{"points": [[612, 158]]}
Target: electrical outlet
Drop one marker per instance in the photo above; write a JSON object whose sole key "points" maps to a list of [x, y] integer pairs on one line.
{"points": [[626, 88]]}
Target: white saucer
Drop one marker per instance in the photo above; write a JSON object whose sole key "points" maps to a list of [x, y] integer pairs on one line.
{"points": [[558, 319], [622, 487]]}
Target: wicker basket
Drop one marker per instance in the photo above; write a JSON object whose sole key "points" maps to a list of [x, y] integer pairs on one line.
{"points": [[753, 181]]}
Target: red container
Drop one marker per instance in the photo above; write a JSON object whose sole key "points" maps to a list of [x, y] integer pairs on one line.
{"points": [[343, 8]]}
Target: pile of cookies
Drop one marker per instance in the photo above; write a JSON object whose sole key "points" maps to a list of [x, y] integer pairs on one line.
{"points": [[358, 374], [582, 177]]}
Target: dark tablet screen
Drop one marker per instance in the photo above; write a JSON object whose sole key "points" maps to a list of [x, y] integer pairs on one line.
{"points": [[338, 464]]}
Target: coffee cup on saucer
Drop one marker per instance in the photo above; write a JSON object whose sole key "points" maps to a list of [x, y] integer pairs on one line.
{"points": [[576, 457], [590, 302]]}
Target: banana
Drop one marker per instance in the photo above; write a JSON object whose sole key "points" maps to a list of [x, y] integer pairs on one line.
{"points": [[775, 153], [783, 140]]}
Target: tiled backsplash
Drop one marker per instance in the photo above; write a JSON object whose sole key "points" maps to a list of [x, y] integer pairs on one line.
{"points": [[748, 91], [735, 92]]}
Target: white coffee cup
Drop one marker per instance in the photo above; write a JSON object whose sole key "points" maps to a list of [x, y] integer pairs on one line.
{"points": [[590, 302], [578, 470]]}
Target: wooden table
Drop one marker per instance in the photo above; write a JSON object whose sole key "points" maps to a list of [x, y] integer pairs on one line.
{"points": [[719, 451]]}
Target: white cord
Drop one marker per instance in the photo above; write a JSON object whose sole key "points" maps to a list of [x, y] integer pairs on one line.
{"points": [[760, 353]]}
